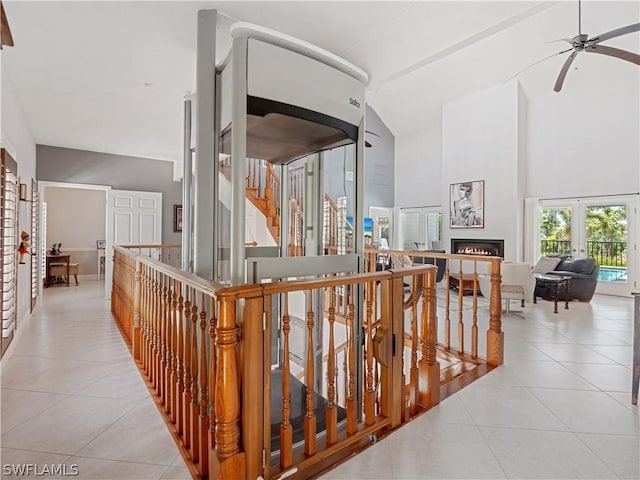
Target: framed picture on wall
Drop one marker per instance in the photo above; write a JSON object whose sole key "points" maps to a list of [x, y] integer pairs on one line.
{"points": [[467, 204], [177, 218]]}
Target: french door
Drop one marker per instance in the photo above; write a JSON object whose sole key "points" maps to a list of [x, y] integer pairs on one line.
{"points": [[421, 228], [602, 228]]}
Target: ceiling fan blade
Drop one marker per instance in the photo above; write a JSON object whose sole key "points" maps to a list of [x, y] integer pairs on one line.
{"points": [[536, 63], [568, 40], [614, 52], [614, 33], [563, 73]]}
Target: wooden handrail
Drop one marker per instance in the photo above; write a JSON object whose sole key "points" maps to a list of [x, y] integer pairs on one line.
{"points": [[187, 339]]}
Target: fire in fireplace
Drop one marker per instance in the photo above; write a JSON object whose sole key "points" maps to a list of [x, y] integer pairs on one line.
{"points": [[472, 246]]}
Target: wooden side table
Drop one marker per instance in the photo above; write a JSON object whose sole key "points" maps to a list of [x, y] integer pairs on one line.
{"points": [[554, 282], [466, 286]]}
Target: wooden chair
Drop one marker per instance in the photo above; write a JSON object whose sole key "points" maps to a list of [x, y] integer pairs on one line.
{"points": [[60, 270]]}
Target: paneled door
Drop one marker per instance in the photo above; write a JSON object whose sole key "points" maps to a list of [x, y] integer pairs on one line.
{"points": [[134, 218], [602, 228]]}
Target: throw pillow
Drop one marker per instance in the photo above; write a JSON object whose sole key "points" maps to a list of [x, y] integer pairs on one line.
{"points": [[546, 264]]}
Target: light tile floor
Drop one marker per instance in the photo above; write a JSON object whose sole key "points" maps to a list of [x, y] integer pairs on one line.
{"points": [[71, 394], [560, 406]]}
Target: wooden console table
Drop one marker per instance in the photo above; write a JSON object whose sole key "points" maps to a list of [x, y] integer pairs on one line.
{"points": [[468, 282]]}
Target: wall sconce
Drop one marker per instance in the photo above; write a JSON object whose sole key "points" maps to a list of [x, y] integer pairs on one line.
{"points": [[23, 192]]}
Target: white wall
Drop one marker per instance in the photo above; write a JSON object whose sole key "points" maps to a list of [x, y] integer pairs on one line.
{"points": [[418, 158], [481, 141], [585, 141], [18, 140], [77, 228]]}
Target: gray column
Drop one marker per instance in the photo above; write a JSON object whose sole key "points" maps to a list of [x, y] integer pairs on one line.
{"points": [[187, 172], [238, 156], [206, 162]]}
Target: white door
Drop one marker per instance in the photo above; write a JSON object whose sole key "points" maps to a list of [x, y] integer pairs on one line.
{"points": [[134, 218]]}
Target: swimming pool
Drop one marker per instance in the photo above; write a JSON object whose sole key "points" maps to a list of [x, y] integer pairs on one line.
{"points": [[612, 274]]}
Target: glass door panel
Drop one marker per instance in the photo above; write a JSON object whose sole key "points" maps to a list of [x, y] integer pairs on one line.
{"points": [[421, 228], [598, 228]]}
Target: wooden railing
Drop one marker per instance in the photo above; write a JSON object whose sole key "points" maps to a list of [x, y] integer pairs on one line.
{"points": [[199, 346], [337, 229], [169, 254], [459, 298]]}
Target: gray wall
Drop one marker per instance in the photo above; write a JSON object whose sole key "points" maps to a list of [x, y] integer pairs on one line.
{"points": [[55, 164]]}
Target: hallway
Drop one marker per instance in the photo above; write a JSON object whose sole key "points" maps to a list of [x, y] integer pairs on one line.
{"points": [[559, 408]]}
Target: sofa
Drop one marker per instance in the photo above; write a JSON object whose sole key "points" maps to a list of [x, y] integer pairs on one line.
{"points": [[441, 263], [583, 272]]}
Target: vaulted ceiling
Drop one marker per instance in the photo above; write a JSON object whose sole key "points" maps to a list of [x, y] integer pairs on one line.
{"points": [[111, 76]]}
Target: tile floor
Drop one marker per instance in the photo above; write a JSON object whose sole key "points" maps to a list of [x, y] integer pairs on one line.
{"points": [[560, 406], [71, 394]]}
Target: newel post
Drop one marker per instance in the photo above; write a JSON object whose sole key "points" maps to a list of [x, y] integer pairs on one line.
{"points": [[135, 328], [227, 460], [495, 335], [429, 367]]}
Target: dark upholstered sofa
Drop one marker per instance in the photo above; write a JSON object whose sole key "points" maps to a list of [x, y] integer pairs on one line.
{"points": [[441, 263], [584, 278]]}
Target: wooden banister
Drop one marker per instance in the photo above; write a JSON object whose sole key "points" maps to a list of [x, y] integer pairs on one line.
{"points": [[207, 366]]}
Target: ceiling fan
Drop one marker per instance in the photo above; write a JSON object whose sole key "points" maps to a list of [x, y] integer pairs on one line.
{"points": [[582, 43], [366, 143]]}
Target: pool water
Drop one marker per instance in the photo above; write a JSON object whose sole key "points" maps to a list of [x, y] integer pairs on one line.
{"points": [[612, 274]]}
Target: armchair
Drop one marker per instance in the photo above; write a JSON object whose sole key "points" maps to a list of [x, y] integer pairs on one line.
{"points": [[518, 283]]}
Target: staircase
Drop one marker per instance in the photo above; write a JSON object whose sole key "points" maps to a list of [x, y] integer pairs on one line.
{"points": [[263, 191]]}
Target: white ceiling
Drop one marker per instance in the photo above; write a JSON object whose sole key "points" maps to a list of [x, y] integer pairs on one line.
{"points": [[111, 76]]}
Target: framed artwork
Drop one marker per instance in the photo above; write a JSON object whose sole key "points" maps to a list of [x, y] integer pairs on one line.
{"points": [[177, 218], [466, 208]]}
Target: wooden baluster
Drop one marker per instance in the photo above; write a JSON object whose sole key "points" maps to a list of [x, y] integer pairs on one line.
{"points": [[352, 426], [310, 417], [495, 336], [152, 326], [369, 412], [186, 397], [195, 405], [213, 325], [203, 465], [164, 363], [429, 366], [345, 368], [173, 323], [460, 308], [413, 369], [144, 320], [158, 339], [447, 320], [180, 361], [332, 411], [474, 327], [286, 430]]}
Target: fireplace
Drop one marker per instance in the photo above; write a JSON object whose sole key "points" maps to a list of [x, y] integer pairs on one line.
{"points": [[477, 246]]}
